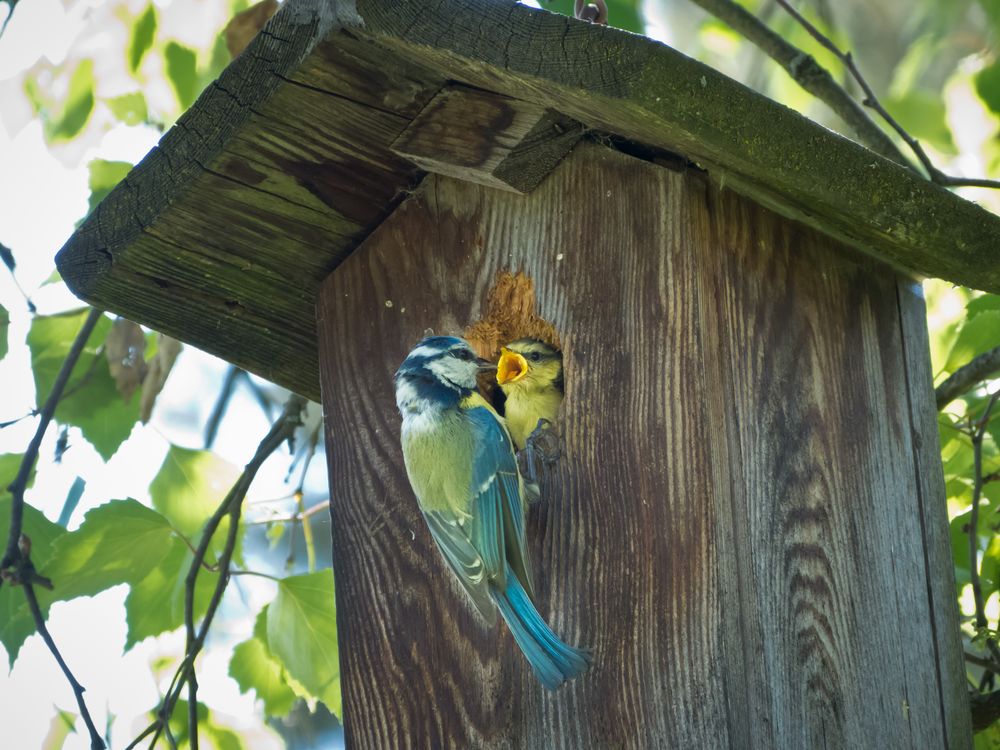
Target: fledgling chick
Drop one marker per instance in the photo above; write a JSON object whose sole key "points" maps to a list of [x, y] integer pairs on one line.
{"points": [[460, 462], [530, 374]]}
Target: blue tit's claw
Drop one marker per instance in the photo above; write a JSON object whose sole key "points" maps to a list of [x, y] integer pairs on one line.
{"points": [[545, 442]]}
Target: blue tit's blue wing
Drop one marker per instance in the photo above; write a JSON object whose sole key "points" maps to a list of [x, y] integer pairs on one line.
{"points": [[463, 558], [498, 529]]}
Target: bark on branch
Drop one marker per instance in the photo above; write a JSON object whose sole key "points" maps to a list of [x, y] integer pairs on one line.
{"points": [[981, 368]]}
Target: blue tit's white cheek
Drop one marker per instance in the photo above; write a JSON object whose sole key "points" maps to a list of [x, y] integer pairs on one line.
{"points": [[454, 372]]}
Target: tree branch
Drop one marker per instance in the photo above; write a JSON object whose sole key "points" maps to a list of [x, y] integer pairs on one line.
{"points": [[977, 492], [16, 566], [980, 368], [808, 73], [870, 100], [12, 555], [96, 743], [231, 507]]}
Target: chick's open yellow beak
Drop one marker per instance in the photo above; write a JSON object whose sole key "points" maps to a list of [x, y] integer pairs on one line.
{"points": [[511, 367]]}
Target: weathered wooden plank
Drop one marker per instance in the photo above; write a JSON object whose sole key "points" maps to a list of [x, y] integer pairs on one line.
{"points": [[221, 235], [623, 543], [930, 497], [837, 631], [643, 90], [491, 140], [735, 526], [361, 72], [307, 112]]}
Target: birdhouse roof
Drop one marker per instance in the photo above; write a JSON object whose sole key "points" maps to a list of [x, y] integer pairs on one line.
{"points": [[222, 234]]}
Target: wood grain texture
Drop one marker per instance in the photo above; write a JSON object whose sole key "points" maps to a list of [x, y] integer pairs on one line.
{"points": [[285, 163], [491, 140], [622, 545], [643, 90], [221, 235], [933, 523], [839, 637], [734, 528]]}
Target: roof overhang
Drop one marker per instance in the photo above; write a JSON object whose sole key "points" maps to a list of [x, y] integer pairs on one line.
{"points": [[222, 234]]}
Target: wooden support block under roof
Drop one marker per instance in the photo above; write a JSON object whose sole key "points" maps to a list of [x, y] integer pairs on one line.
{"points": [[492, 140], [222, 234]]}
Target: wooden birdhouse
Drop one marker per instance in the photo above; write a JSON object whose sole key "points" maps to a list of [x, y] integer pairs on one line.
{"points": [[747, 523]]}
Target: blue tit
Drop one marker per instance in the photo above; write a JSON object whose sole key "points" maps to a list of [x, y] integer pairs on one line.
{"points": [[530, 374], [460, 462]]}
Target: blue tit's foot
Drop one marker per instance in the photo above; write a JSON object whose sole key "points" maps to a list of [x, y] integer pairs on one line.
{"points": [[543, 446], [544, 443]]}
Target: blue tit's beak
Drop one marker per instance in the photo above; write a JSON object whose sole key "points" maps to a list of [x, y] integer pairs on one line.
{"points": [[485, 365]]}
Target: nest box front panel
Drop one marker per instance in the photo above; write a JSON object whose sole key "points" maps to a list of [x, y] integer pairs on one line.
{"points": [[734, 464]]}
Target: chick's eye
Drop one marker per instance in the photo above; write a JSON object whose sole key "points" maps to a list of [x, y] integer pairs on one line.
{"points": [[534, 356]]}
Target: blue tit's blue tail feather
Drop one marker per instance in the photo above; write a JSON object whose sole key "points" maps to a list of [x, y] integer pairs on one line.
{"points": [[552, 660]]}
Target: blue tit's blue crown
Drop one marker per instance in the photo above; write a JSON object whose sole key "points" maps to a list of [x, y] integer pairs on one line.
{"points": [[438, 373], [428, 349]]}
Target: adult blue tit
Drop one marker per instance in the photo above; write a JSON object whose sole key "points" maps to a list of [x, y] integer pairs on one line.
{"points": [[460, 462], [530, 374]]}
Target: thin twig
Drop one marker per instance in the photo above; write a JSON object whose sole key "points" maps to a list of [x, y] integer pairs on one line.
{"points": [[231, 507], [96, 743], [310, 511], [187, 542], [145, 733], [979, 661], [977, 491], [11, 555], [980, 368], [221, 405], [872, 101], [806, 72], [11, 4]]}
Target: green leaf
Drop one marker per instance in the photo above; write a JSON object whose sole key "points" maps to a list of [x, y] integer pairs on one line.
{"points": [[990, 568], [217, 62], [10, 464], [91, 400], [4, 325], [118, 542], [141, 38], [302, 634], [983, 303], [77, 107], [104, 175], [923, 115], [977, 335], [129, 108], [189, 487], [16, 623], [254, 668], [62, 726], [987, 82], [155, 604], [220, 737], [182, 71]]}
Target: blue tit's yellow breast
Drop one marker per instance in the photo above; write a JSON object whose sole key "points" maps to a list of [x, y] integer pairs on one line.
{"points": [[438, 451], [524, 408]]}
